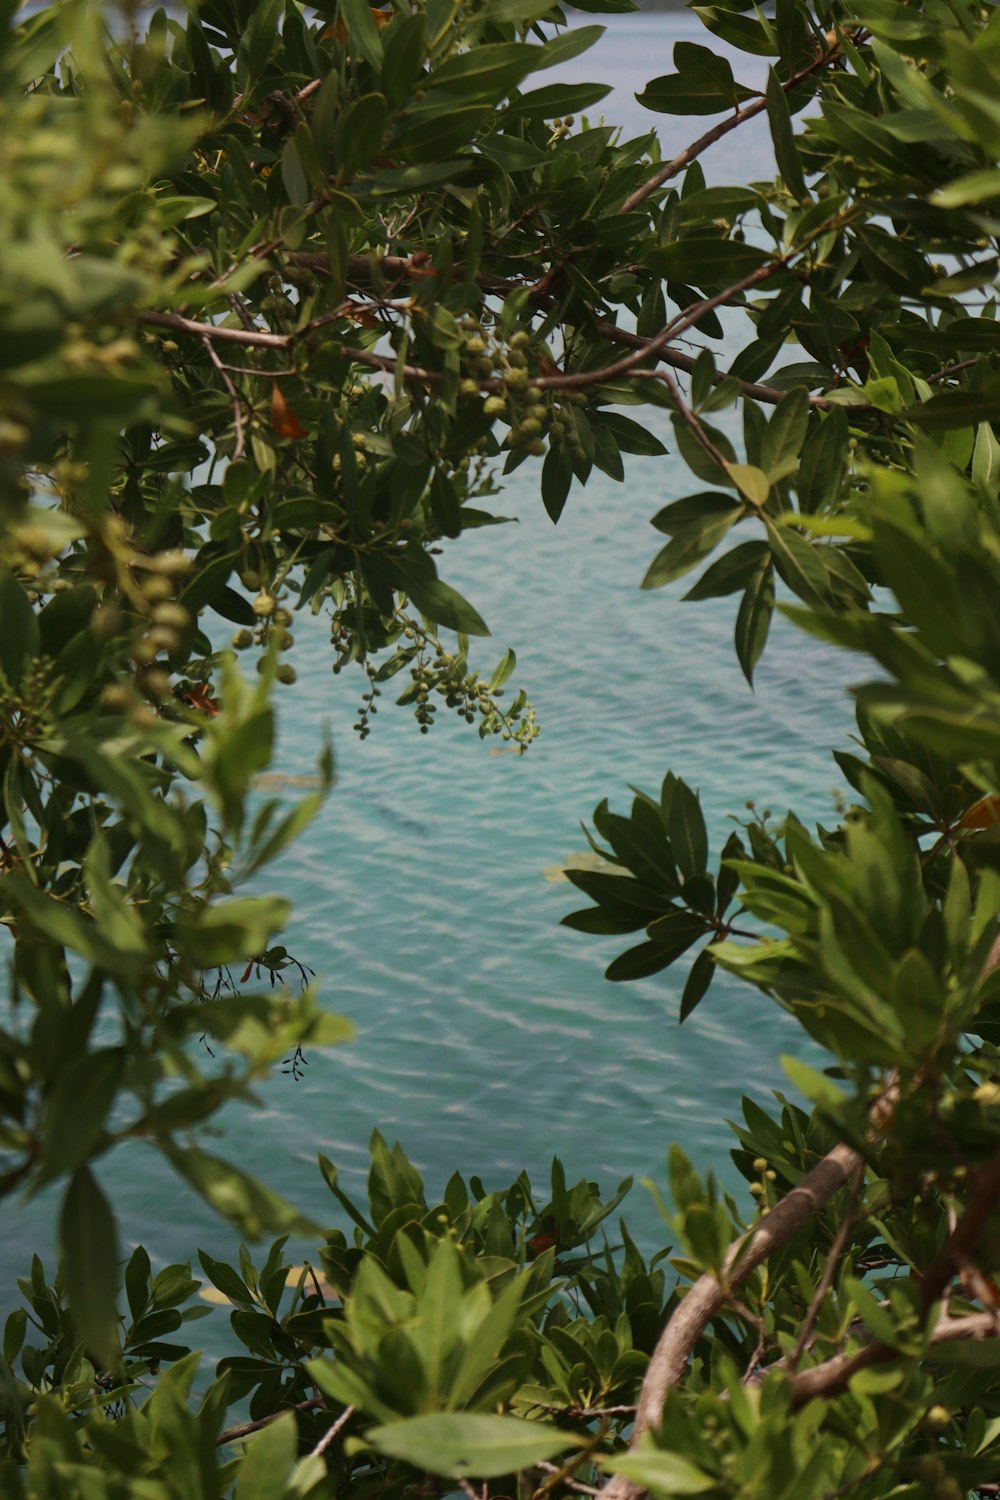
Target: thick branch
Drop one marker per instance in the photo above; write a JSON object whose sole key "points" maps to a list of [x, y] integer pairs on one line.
{"points": [[710, 1293], [833, 1376]]}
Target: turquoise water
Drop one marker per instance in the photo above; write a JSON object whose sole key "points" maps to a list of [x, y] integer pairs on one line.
{"points": [[488, 1039]]}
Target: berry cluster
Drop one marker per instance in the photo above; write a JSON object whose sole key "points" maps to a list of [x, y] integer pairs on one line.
{"points": [[272, 631]]}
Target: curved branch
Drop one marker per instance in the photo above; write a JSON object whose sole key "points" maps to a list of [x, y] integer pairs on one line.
{"points": [[710, 1293], [691, 153], [833, 1376], [233, 1434]]}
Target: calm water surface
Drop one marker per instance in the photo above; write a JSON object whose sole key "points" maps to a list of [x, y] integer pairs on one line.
{"points": [[488, 1038]]}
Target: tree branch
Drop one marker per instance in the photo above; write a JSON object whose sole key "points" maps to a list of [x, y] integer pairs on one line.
{"points": [[828, 1272], [579, 380], [338, 1426], [750, 111], [833, 1376], [233, 1434], [710, 1293], [234, 397]]}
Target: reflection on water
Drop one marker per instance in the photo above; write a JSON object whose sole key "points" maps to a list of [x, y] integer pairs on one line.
{"points": [[487, 1036]]}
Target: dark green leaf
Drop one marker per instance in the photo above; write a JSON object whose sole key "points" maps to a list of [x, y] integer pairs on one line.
{"points": [[754, 618], [88, 1244], [459, 1444]]}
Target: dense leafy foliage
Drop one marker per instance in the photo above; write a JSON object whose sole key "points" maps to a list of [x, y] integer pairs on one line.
{"points": [[285, 289]]}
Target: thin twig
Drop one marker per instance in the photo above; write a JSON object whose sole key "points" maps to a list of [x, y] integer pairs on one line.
{"points": [[233, 1434], [338, 1426], [829, 1270], [577, 1413], [694, 425], [234, 397], [570, 1484], [691, 153]]}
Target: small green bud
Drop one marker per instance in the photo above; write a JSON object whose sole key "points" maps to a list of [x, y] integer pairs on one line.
{"points": [[287, 674], [242, 639], [494, 406], [163, 638], [173, 615], [116, 697]]}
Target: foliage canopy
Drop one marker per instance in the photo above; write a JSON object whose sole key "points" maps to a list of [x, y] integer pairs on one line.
{"points": [[285, 289]]}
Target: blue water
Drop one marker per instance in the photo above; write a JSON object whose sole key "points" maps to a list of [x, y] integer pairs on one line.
{"points": [[488, 1039]]}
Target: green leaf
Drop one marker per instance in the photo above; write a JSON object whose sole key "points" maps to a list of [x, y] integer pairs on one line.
{"points": [[269, 1458], [235, 1195], [489, 71], [405, 49], [753, 620], [700, 976], [438, 601], [18, 629], [662, 1472], [363, 34], [563, 48], [435, 133], [358, 136], [798, 565], [229, 931], [702, 85], [689, 546], [786, 152], [632, 437], [686, 830], [751, 482], [784, 435], [556, 99], [88, 1244], [77, 1108], [640, 962], [467, 1444], [706, 262], [823, 463], [731, 572], [959, 408], [557, 476], [813, 1085]]}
